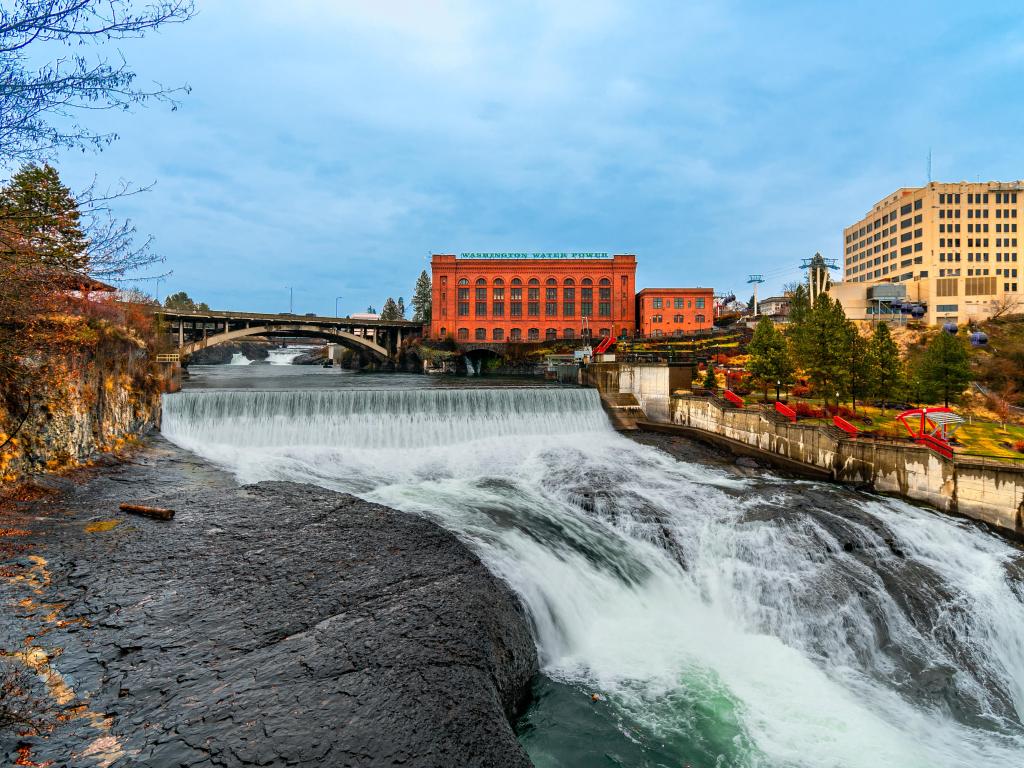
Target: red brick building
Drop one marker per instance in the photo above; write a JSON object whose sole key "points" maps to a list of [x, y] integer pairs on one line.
{"points": [[674, 311], [512, 297]]}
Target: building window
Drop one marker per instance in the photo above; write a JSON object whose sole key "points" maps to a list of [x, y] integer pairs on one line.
{"points": [[568, 309], [481, 334], [515, 309], [699, 319], [463, 333], [604, 332], [444, 332], [481, 309], [533, 334], [678, 319], [604, 309], [498, 294], [516, 334], [463, 302], [515, 293], [550, 334], [656, 303], [498, 334], [568, 333], [498, 309], [677, 303], [700, 303], [533, 309]]}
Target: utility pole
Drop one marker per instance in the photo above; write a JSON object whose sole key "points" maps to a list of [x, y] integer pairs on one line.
{"points": [[755, 280], [336, 305]]}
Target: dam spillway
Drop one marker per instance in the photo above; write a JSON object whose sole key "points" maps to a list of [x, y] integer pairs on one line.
{"points": [[725, 620]]}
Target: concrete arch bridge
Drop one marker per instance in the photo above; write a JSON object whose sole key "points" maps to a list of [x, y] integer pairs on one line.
{"points": [[195, 330]]}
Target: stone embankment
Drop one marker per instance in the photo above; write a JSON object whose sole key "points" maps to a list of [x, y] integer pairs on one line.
{"points": [[273, 625]]}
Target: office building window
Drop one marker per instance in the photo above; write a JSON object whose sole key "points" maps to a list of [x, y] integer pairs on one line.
{"points": [[516, 334], [533, 334], [463, 333], [481, 334], [498, 334], [550, 334]]}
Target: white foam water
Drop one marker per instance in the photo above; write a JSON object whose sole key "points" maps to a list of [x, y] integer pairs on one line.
{"points": [[239, 359], [849, 631]]}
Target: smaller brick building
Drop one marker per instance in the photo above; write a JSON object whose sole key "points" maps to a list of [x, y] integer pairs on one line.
{"points": [[664, 312]]}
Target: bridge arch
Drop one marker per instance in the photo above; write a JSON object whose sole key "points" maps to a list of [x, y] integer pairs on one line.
{"points": [[350, 340]]}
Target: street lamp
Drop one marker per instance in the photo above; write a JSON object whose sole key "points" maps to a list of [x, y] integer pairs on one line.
{"points": [[290, 296], [336, 305], [158, 281]]}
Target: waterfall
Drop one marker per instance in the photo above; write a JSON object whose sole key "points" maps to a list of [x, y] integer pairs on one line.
{"points": [[239, 359], [753, 622], [285, 355]]}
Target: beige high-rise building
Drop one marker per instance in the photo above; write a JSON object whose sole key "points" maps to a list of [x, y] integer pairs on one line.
{"points": [[955, 247]]}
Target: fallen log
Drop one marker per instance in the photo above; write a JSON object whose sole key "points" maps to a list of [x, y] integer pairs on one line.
{"points": [[158, 513]]}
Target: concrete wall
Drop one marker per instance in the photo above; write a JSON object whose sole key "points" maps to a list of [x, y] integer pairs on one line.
{"points": [[650, 383], [986, 490]]}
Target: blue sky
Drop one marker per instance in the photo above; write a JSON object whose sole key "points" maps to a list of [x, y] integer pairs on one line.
{"points": [[332, 146]]}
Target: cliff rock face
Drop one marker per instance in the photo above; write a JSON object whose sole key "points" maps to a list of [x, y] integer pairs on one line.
{"points": [[276, 624], [85, 403]]}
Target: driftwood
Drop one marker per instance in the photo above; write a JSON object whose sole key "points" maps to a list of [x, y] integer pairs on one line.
{"points": [[157, 513]]}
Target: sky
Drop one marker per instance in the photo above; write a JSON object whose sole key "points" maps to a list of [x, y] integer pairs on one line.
{"points": [[332, 146]]}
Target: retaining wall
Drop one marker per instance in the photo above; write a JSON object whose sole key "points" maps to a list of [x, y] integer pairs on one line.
{"points": [[986, 490]]}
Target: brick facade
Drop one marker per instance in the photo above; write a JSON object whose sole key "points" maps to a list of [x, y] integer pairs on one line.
{"points": [[532, 299]]}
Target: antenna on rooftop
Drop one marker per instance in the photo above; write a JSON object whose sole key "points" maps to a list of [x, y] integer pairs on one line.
{"points": [[755, 280]]}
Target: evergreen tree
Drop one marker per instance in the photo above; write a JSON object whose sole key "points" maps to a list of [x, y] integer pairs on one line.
{"points": [[945, 368], [770, 362], [371, 310], [710, 381], [860, 375], [390, 310], [422, 299], [887, 370], [44, 214], [400, 309], [182, 301], [822, 339]]}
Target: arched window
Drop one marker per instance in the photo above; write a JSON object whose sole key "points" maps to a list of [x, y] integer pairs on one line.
{"points": [[568, 333], [481, 281], [550, 334], [551, 281], [516, 281], [444, 332], [699, 318], [498, 334], [585, 333], [604, 332], [463, 281], [533, 334], [516, 334], [534, 281], [605, 281], [586, 281], [463, 333], [498, 281], [569, 281], [481, 334]]}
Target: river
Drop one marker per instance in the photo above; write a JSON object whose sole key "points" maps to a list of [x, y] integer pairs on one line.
{"points": [[722, 618]]}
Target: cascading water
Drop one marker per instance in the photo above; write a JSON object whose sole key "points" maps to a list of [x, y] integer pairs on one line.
{"points": [[726, 621], [239, 359], [285, 355]]}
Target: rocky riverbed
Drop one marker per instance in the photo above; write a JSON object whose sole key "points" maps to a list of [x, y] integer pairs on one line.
{"points": [[275, 624]]}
